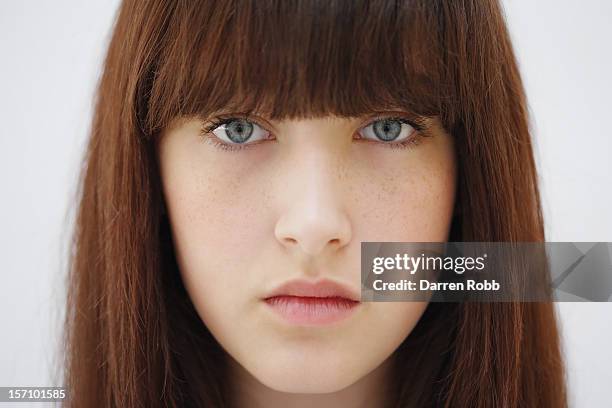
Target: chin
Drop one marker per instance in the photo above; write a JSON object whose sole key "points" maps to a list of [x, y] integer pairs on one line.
{"points": [[316, 377], [303, 383]]}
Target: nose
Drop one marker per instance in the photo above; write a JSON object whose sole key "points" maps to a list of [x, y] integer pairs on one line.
{"points": [[314, 219]]}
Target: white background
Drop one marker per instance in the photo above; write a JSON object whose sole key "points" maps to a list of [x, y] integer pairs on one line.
{"points": [[50, 57]]}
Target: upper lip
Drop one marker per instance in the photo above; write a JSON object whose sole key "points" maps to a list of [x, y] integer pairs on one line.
{"points": [[321, 288]]}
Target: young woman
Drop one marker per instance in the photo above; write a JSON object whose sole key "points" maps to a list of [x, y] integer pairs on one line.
{"points": [[240, 153]]}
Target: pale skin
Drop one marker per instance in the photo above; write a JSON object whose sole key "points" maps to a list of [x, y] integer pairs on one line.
{"points": [[297, 204]]}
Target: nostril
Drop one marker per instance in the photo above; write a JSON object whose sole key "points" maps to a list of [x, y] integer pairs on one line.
{"points": [[312, 230]]}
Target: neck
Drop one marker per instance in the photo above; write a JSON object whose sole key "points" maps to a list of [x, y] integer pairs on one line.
{"points": [[371, 391]]}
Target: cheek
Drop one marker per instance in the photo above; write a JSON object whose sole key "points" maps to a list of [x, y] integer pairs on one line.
{"points": [[406, 197], [217, 209]]}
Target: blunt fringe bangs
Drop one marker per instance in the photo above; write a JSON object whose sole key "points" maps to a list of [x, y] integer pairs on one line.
{"points": [[298, 59]]}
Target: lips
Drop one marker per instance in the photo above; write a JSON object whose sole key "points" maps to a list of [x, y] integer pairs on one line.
{"points": [[302, 302]]}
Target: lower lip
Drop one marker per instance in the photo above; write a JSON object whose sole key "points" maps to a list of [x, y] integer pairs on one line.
{"points": [[312, 310]]}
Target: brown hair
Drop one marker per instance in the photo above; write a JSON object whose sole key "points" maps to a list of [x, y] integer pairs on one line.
{"points": [[133, 338]]}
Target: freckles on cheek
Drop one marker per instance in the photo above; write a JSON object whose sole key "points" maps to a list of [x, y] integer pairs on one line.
{"points": [[215, 211], [409, 200]]}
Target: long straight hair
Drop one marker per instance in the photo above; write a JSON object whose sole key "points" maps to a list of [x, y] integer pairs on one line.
{"points": [[133, 338]]}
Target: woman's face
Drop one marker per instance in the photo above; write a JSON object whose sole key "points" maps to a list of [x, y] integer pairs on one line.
{"points": [[255, 204]]}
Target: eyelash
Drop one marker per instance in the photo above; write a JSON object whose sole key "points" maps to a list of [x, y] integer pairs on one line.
{"points": [[419, 132]]}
